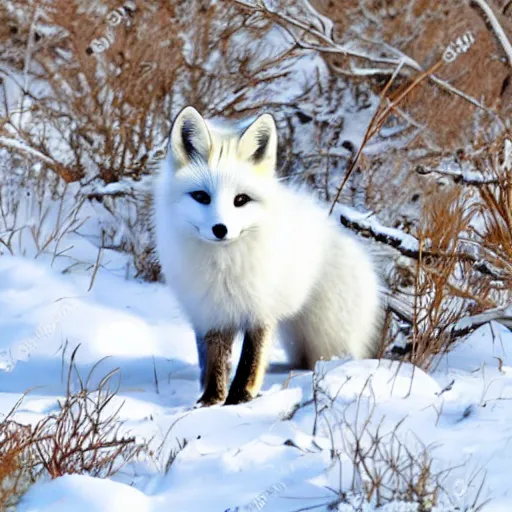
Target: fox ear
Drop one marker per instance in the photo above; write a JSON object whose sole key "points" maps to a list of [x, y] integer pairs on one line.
{"points": [[258, 144], [190, 138]]}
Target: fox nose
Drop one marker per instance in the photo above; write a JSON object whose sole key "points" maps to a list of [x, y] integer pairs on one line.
{"points": [[220, 231]]}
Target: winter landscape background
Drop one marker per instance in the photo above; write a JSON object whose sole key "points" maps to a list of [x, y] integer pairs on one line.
{"points": [[396, 113]]}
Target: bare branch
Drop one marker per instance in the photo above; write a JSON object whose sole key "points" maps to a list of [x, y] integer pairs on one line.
{"points": [[403, 310], [467, 177], [496, 26], [470, 323], [405, 243], [330, 46], [29, 150]]}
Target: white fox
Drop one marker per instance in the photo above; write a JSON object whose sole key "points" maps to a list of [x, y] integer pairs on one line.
{"points": [[242, 252]]}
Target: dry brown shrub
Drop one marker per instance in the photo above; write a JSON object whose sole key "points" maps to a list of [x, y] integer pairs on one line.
{"points": [[422, 29], [84, 437], [98, 113], [99, 82], [89, 91], [464, 266], [495, 209], [16, 469], [441, 293]]}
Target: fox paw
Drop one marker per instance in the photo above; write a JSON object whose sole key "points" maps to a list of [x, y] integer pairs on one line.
{"points": [[238, 396], [207, 401]]}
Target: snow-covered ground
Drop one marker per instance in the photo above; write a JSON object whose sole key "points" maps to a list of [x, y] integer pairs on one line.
{"points": [[256, 456]]}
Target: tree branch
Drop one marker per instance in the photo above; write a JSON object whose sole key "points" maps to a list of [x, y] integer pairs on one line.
{"points": [[406, 244], [460, 176], [330, 46], [470, 323], [20, 146], [496, 26], [462, 327]]}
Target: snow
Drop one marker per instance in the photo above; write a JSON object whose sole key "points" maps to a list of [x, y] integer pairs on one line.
{"points": [[116, 188], [257, 456], [81, 493]]}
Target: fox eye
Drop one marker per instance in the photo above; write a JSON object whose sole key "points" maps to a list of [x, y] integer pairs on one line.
{"points": [[200, 196], [241, 199]]}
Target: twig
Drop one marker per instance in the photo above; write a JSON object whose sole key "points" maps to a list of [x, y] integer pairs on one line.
{"points": [[28, 56], [330, 46], [29, 150], [98, 261], [468, 178], [155, 376], [496, 26]]}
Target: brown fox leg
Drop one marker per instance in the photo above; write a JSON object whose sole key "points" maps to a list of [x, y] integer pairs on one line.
{"points": [[251, 367], [218, 346]]}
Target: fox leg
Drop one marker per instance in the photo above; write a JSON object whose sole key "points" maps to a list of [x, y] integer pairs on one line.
{"points": [[252, 365], [201, 358], [216, 346]]}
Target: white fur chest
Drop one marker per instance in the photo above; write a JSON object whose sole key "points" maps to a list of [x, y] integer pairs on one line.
{"points": [[220, 286]]}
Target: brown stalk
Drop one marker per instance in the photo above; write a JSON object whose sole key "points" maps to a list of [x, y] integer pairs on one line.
{"points": [[380, 117]]}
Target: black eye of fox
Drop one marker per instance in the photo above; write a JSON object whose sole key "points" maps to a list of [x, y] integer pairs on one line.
{"points": [[200, 196], [241, 199]]}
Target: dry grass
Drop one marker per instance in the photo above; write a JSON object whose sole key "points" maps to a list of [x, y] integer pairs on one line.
{"points": [[387, 105], [111, 90], [422, 30], [441, 295], [16, 467], [456, 264], [37, 210], [101, 112], [464, 265], [98, 84], [495, 208], [89, 91], [83, 437], [378, 463]]}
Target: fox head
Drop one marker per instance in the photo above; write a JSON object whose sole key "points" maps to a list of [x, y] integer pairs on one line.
{"points": [[221, 178]]}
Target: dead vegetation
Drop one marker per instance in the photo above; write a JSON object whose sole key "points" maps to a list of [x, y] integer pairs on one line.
{"points": [[88, 92], [91, 90], [84, 436], [457, 264], [377, 462], [94, 98], [422, 32], [16, 472], [452, 110]]}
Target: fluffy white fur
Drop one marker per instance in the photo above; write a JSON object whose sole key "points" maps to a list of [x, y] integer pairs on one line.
{"points": [[283, 262]]}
